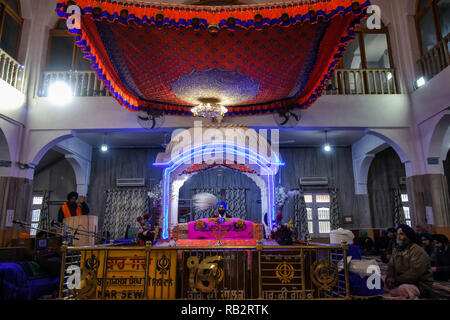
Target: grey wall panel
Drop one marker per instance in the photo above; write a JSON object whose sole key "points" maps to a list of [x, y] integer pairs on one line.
{"points": [[336, 165], [300, 162], [119, 164]]}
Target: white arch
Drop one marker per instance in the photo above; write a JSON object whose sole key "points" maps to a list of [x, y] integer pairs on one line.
{"points": [[400, 141], [232, 143], [82, 169], [40, 142], [37, 143]]}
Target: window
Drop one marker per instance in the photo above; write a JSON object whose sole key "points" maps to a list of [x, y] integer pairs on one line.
{"points": [[63, 54], [10, 26], [38, 200], [432, 22], [370, 50], [36, 208], [405, 203], [318, 213]]}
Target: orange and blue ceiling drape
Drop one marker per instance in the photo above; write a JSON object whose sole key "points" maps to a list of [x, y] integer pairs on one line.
{"points": [[262, 59]]}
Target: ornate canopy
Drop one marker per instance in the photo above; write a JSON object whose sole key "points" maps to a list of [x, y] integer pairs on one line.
{"points": [[252, 59]]}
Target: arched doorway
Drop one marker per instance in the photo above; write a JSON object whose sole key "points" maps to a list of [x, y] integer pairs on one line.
{"points": [[53, 179], [386, 176], [446, 164], [5, 158]]}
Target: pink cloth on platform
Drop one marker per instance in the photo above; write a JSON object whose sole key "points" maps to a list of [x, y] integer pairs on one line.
{"points": [[232, 228]]}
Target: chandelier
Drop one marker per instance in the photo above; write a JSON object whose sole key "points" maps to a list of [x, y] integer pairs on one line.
{"points": [[209, 110]]}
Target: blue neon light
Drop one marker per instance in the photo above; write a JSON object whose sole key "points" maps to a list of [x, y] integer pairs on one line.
{"points": [[277, 159], [211, 148]]}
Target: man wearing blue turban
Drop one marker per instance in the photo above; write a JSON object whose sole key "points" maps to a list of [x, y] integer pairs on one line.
{"points": [[221, 210]]}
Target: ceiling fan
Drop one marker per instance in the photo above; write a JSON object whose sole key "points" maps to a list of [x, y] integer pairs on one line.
{"points": [[150, 118], [288, 117]]}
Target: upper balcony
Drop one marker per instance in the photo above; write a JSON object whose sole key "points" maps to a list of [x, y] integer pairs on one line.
{"points": [[435, 60], [433, 34], [343, 82], [11, 71]]}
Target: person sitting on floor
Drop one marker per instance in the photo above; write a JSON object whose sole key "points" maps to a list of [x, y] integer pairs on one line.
{"points": [[365, 244], [440, 261], [420, 229], [392, 235], [409, 274], [382, 242], [427, 242]]}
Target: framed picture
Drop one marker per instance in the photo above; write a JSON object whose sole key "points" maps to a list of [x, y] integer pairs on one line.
{"points": [[348, 219]]}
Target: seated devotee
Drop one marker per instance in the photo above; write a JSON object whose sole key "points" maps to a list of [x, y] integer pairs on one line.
{"points": [[440, 261], [427, 242], [409, 274], [221, 211], [392, 235], [72, 207], [420, 229], [365, 244], [382, 242]]}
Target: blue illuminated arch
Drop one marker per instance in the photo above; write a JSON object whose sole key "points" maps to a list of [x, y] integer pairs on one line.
{"points": [[248, 154]]}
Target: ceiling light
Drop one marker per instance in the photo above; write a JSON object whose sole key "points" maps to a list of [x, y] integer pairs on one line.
{"points": [[326, 146], [104, 146], [209, 110], [60, 93]]}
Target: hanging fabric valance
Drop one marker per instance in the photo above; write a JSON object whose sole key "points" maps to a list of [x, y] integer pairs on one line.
{"points": [[252, 59]]}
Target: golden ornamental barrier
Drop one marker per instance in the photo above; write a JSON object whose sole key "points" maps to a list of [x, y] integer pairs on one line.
{"points": [[218, 272]]}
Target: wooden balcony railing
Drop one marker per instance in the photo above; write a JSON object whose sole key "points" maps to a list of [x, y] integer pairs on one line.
{"points": [[83, 83], [435, 60], [343, 81], [11, 71], [362, 81]]}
